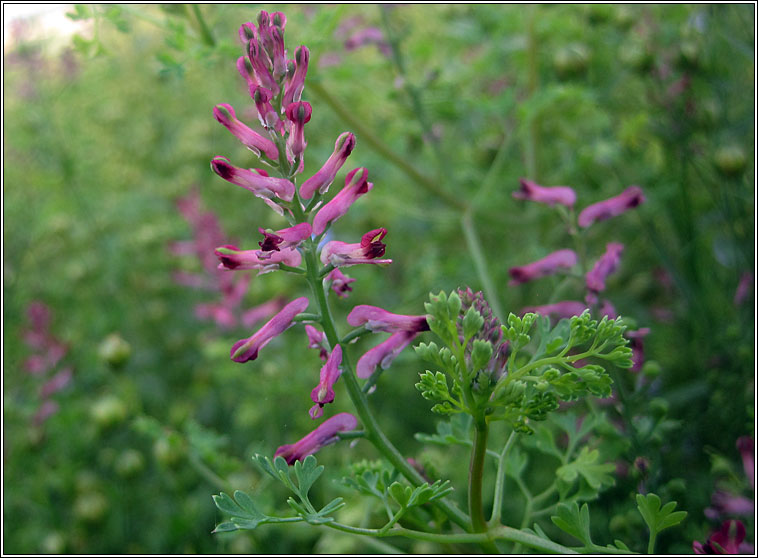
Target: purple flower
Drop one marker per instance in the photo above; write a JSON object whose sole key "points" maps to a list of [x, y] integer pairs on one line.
{"points": [[298, 114], [245, 69], [325, 176], [232, 258], [356, 184], [325, 434], [56, 383], [606, 265], [378, 319], [317, 340], [247, 349], [252, 140], [725, 503], [550, 264], [564, 309], [293, 88], [262, 186], [600, 211], [254, 315], [549, 195], [607, 309], [743, 288], [260, 62], [291, 237], [635, 343], [267, 116], [342, 254], [384, 353], [340, 283], [323, 392], [727, 540]]}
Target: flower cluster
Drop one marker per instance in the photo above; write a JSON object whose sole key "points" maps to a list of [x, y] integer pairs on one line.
{"points": [[276, 83], [48, 352]]}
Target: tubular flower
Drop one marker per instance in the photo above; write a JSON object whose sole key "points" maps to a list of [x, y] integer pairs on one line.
{"points": [[340, 283], [245, 69], [727, 540], [606, 265], [317, 340], [293, 88], [325, 434], [550, 264], [232, 258], [600, 211], [247, 349], [377, 319], [224, 113], [564, 309], [275, 241], [355, 186], [267, 116], [384, 353], [342, 254], [323, 392], [325, 176], [261, 64], [549, 195], [298, 114], [262, 186]]}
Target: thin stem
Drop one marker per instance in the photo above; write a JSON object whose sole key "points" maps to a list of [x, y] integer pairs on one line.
{"points": [[476, 476], [475, 247], [205, 31], [497, 505]]}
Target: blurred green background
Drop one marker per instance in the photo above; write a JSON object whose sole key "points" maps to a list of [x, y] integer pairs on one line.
{"points": [[104, 131]]}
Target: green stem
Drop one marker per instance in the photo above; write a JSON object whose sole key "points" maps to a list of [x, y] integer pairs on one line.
{"points": [[497, 504], [364, 133], [205, 31], [532, 139], [476, 476], [475, 248]]}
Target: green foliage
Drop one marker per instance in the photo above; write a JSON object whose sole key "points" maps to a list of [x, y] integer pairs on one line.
{"points": [[656, 517], [574, 521]]}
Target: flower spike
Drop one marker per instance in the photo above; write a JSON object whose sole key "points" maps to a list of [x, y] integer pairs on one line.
{"points": [[600, 211], [247, 349], [323, 392], [325, 434]]}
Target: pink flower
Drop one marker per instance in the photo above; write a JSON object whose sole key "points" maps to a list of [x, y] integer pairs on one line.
{"points": [[564, 309], [635, 343], [254, 315], [259, 60], [45, 411], [56, 383], [378, 319], [325, 176], [549, 195], [252, 140], [298, 113], [325, 434], [600, 211], [247, 349], [290, 237], [247, 72], [317, 340], [262, 186], [232, 258], [342, 254], [550, 264], [606, 265], [267, 116], [323, 392], [293, 88], [340, 283], [384, 353], [607, 309], [222, 315], [355, 186], [727, 540]]}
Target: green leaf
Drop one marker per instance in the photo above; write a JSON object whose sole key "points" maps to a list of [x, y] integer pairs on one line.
{"points": [[307, 472], [596, 474], [433, 386], [658, 518], [472, 323], [400, 493], [480, 354], [574, 521], [244, 514]]}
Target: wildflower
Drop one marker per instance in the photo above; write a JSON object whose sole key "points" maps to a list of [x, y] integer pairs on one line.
{"points": [[323, 392], [247, 72], [317, 340], [325, 176], [293, 88], [259, 184], [249, 138], [384, 353], [298, 113], [262, 69], [290, 237], [342, 254], [247, 349], [606, 265], [340, 282], [355, 186], [727, 540], [377, 319], [254, 315], [550, 264], [549, 195], [233, 258], [564, 309], [267, 116], [323, 435], [600, 211]]}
